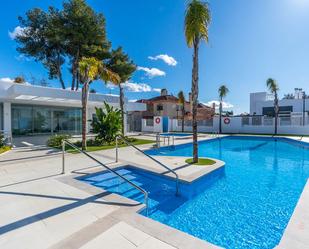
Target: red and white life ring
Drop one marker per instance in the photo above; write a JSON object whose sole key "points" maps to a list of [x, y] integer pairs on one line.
{"points": [[227, 121], [158, 120]]}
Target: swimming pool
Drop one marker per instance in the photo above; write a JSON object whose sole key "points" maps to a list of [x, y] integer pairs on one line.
{"points": [[246, 205]]}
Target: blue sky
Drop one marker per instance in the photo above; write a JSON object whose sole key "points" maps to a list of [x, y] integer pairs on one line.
{"points": [[249, 42]]}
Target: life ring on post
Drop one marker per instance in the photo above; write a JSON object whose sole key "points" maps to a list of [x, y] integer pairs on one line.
{"points": [[227, 121], [157, 120]]}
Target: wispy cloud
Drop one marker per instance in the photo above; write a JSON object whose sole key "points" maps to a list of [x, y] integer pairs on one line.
{"points": [[169, 60], [225, 105], [21, 57], [152, 72], [18, 31], [135, 87]]}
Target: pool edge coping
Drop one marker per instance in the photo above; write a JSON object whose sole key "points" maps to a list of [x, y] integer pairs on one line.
{"points": [[130, 215]]}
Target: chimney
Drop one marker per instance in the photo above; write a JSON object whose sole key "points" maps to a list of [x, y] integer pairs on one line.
{"points": [[214, 106], [164, 92]]}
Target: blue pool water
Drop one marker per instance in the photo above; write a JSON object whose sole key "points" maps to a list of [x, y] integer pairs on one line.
{"points": [[245, 205], [176, 134]]}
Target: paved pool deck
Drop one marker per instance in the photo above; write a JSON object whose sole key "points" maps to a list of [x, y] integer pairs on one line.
{"points": [[40, 208]]}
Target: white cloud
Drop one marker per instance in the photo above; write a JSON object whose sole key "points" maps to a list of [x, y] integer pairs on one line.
{"points": [[225, 105], [169, 60], [152, 72], [132, 100], [18, 31], [21, 57], [9, 80], [156, 90], [135, 87]]}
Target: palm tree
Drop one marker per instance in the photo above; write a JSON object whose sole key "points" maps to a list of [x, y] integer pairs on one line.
{"points": [[274, 88], [223, 91], [121, 64], [91, 69], [197, 20], [182, 102]]}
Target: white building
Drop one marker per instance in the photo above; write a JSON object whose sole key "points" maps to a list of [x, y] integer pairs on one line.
{"points": [[34, 110], [262, 103]]}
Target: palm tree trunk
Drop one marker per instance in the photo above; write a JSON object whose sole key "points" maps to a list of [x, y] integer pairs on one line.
{"points": [[220, 117], [121, 103], [183, 119], [195, 99], [73, 78], [276, 113], [84, 115]]}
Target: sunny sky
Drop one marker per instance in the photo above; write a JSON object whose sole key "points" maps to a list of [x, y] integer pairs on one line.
{"points": [[249, 42]]}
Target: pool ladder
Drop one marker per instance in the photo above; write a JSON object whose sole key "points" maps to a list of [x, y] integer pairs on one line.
{"points": [[153, 159], [144, 192], [158, 140]]}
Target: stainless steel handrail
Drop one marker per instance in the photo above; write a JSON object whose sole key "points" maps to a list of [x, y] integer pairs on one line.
{"points": [[64, 142], [155, 160]]}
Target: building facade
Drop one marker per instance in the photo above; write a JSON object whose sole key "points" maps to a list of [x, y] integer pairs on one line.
{"points": [[35, 110], [167, 105], [262, 103]]}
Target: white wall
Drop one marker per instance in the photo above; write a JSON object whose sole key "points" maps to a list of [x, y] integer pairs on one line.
{"points": [[7, 124], [235, 126], [259, 100]]}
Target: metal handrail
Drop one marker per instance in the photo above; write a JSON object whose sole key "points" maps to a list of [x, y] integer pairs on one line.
{"points": [[153, 159], [64, 142]]}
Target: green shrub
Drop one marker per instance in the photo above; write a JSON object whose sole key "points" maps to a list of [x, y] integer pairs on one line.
{"points": [[107, 123], [2, 144], [97, 142], [56, 140]]}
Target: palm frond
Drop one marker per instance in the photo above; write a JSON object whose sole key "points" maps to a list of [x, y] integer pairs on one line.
{"points": [[109, 76], [272, 85], [223, 91], [181, 98], [197, 20]]}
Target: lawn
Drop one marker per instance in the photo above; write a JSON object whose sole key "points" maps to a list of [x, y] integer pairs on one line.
{"points": [[4, 149], [111, 146], [201, 162]]}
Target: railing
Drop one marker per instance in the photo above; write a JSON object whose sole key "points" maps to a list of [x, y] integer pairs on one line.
{"points": [[168, 138], [153, 159], [65, 142]]}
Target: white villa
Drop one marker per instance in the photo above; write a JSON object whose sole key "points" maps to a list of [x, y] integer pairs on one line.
{"points": [[296, 105], [35, 110]]}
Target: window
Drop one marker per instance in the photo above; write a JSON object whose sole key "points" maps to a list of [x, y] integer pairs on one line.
{"points": [[149, 122], [28, 119], [159, 107], [269, 111]]}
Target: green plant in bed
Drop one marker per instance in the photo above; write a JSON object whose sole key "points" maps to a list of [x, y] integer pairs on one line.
{"points": [[201, 162]]}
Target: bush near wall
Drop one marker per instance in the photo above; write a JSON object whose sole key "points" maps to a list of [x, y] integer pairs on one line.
{"points": [[56, 140], [1, 140]]}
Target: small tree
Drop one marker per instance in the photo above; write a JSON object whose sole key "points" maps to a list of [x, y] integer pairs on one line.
{"points": [[223, 91], [182, 102], [121, 64], [107, 123], [90, 70], [274, 88], [19, 79]]}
